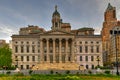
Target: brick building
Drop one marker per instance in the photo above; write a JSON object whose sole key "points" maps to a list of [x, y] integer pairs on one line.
{"points": [[110, 21]]}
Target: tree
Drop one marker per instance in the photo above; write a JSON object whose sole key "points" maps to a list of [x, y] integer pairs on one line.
{"points": [[5, 57]]}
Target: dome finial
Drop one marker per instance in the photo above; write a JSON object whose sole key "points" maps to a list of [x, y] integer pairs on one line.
{"points": [[55, 7]]}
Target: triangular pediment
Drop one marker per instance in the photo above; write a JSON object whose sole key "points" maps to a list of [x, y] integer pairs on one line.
{"points": [[57, 32]]}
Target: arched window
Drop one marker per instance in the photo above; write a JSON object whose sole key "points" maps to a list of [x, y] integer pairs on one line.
{"points": [[56, 24], [16, 49]]}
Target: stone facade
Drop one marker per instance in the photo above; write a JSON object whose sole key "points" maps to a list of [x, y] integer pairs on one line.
{"points": [[38, 49], [88, 50], [110, 21]]}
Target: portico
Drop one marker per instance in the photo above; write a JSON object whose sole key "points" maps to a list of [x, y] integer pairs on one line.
{"points": [[56, 50]]}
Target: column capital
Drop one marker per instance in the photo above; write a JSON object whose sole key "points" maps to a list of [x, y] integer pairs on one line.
{"points": [[60, 39], [41, 39], [47, 39], [53, 39], [66, 39]]}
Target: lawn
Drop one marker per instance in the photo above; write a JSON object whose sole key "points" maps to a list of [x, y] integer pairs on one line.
{"points": [[60, 77]]}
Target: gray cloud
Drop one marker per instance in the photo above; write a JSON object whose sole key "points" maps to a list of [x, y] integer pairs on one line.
{"points": [[79, 13]]}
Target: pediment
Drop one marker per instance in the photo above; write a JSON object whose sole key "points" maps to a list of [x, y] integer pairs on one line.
{"points": [[57, 32]]}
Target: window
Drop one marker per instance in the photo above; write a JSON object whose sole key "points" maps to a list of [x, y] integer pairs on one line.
{"points": [[33, 58], [80, 58], [27, 66], [27, 42], [27, 49], [32, 42], [92, 66], [22, 42], [80, 49], [51, 58], [91, 49], [33, 49], [16, 42], [87, 66], [69, 59], [86, 49], [80, 42], [38, 50], [21, 66], [56, 24], [21, 58], [16, 49], [86, 58], [45, 58], [27, 58], [86, 42], [91, 42], [92, 58], [97, 42], [16, 57], [97, 49], [22, 49]]}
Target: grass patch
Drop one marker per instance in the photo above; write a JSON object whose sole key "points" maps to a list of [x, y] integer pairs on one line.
{"points": [[61, 77]]}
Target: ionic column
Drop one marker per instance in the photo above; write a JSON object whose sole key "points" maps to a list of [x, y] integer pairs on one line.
{"points": [[48, 59], [41, 51], [73, 54], [60, 56], [54, 51], [66, 51]]}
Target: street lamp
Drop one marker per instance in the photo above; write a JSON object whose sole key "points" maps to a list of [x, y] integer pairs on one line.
{"points": [[115, 33], [17, 69], [16, 62], [98, 60]]}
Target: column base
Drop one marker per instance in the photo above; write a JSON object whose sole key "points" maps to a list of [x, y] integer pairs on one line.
{"points": [[54, 61]]}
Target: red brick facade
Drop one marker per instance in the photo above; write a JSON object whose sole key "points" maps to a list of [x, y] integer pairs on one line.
{"points": [[110, 21]]}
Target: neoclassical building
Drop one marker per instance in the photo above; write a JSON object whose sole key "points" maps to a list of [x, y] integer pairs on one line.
{"points": [[38, 49]]}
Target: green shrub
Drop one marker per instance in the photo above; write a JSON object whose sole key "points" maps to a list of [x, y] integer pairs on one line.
{"points": [[107, 72], [8, 72], [70, 78], [33, 79], [67, 72], [51, 72], [77, 73], [12, 68], [3, 75], [30, 71], [90, 72], [19, 74]]}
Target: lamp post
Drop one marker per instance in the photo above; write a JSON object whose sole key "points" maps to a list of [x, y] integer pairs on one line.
{"points": [[17, 69], [98, 60], [115, 33], [116, 55], [16, 62]]}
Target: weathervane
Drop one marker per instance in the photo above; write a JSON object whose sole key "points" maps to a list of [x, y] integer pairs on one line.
{"points": [[55, 7]]}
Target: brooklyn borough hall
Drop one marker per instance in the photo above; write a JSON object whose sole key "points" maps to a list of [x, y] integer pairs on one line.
{"points": [[57, 49]]}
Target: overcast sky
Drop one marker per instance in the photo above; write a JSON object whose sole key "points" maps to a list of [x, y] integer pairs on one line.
{"points": [[15, 14]]}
